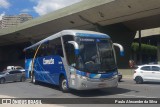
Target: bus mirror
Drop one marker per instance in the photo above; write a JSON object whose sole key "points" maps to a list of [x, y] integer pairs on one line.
{"points": [[73, 65], [120, 47], [76, 46]]}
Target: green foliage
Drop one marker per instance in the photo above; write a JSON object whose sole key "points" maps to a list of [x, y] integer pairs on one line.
{"points": [[135, 47], [146, 49]]}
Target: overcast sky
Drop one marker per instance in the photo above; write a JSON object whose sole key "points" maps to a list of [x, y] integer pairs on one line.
{"points": [[34, 7]]}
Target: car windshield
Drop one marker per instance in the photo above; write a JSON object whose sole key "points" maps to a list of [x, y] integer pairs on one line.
{"points": [[96, 55], [1, 73]]}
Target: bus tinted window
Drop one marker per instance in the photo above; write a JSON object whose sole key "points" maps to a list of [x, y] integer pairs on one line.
{"points": [[42, 50], [55, 47]]}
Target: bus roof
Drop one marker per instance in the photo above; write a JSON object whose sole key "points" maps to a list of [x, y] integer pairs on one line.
{"points": [[81, 33]]}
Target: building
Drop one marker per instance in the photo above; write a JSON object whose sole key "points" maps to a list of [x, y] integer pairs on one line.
{"points": [[24, 17], [10, 21]]}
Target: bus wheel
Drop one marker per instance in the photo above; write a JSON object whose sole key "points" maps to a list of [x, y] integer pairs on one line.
{"points": [[63, 85], [33, 79], [2, 81]]}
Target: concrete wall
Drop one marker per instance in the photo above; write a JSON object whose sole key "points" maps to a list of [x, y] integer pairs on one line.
{"points": [[124, 36]]}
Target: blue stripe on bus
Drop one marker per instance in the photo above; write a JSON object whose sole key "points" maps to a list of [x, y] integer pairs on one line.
{"points": [[47, 69], [92, 35], [92, 75]]}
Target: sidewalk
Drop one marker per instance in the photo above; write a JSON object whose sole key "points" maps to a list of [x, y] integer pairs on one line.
{"points": [[127, 73]]}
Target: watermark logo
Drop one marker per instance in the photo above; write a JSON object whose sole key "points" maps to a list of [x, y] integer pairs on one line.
{"points": [[6, 101], [21, 101]]}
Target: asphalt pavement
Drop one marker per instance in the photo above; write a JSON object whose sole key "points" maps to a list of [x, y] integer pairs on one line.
{"points": [[126, 89]]}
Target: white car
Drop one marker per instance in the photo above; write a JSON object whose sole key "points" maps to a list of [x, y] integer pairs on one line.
{"points": [[147, 73], [15, 68]]}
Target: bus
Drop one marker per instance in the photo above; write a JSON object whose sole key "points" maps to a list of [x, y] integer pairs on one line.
{"points": [[73, 59]]}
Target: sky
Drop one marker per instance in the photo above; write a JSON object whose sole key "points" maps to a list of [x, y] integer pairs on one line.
{"points": [[35, 8]]}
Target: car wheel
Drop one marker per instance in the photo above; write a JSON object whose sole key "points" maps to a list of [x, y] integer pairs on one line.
{"points": [[22, 79], [119, 80], [2, 81], [139, 80], [63, 84]]}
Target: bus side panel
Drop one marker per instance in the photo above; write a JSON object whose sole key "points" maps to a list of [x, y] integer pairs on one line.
{"points": [[48, 68], [28, 65], [66, 72]]}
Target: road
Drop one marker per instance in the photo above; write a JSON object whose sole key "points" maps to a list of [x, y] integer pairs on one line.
{"points": [[126, 89]]}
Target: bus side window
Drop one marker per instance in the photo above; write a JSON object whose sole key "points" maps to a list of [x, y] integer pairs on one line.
{"points": [[51, 48], [59, 50], [39, 52], [50, 51], [55, 47], [44, 51]]}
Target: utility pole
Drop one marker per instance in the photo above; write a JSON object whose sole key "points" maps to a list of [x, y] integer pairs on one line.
{"points": [[140, 50], [158, 50]]}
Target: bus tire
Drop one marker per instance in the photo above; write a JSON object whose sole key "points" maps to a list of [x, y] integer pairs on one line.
{"points": [[30, 74], [2, 80], [63, 84], [33, 79]]}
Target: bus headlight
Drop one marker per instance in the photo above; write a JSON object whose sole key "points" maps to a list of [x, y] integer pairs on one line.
{"points": [[115, 73], [115, 76], [84, 78]]}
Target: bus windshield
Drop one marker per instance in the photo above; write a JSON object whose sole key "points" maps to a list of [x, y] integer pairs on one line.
{"points": [[96, 55]]}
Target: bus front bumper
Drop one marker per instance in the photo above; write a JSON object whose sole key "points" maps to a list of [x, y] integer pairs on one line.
{"points": [[87, 84]]}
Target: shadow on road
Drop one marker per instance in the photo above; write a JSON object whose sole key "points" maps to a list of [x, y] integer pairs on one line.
{"points": [[100, 92], [90, 93], [55, 87]]}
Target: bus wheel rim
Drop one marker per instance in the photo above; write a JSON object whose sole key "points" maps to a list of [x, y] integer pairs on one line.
{"points": [[64, 84], [34, 79]]}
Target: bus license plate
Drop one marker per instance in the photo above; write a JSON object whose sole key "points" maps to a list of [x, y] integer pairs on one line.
{"points": [[102, 85]]}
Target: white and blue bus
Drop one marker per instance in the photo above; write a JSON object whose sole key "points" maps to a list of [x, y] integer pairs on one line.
{"points": [[74, 59]]}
